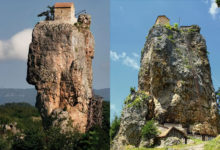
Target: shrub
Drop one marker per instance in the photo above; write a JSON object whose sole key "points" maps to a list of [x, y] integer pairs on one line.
{"points": [[128, 99], [136, 101], [138, 98], [168, 26], [132, 90], [176, 26], [170, 37], [115, 125], [4, 145], [149, 130]]}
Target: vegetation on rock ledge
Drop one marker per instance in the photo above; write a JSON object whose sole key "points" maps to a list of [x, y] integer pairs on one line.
{"points": [[135, 98]]}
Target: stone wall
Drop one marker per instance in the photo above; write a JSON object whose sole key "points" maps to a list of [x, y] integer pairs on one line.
{"points": [[162, 20], [66, 14]]}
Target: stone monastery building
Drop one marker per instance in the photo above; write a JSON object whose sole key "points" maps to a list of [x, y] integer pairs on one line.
{"points": [[162, 20], [64, 11]]}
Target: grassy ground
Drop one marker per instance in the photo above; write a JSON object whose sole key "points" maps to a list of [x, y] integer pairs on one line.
{"points": [[213, 144], [207, 145]]}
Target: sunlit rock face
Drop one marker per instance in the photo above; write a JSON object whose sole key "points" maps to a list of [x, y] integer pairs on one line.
{"points": [[60, 67], [175, 70], [174, 86]]}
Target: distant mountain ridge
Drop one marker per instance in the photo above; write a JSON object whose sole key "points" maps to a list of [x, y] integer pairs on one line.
{"points": [[29, 95]]}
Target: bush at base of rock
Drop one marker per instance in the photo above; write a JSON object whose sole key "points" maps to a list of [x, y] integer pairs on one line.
{"points": [[149, 130]]}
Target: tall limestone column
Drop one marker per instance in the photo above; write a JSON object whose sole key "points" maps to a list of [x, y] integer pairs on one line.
{"points": [[174, 87], [60, 66]]}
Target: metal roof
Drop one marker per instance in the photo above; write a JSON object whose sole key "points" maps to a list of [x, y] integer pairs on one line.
{"points": [[164, 134]]}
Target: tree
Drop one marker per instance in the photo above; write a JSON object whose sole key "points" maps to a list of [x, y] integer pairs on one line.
{"points": [[149, 130], [49, 14], [115, 125], [132, 90]]}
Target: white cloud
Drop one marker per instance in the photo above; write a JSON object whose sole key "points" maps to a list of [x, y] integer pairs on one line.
{"points": [[131, 63], [126, 60], [16, 47], [113, 107], [213, 10], [114, 110], [135, 55], [115, 57]]}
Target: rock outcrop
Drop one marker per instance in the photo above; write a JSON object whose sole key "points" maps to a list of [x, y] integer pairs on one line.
{"points": [[60, 67], [133, 118], [175, 74]]}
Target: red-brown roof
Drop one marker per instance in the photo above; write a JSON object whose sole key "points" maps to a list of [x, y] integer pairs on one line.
{"points": [[63, 5]]}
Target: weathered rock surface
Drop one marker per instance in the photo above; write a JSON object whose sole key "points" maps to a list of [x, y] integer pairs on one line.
{"points": [[60, 67], [175, 70], [175, 73], [133, 118], [170, 141]]}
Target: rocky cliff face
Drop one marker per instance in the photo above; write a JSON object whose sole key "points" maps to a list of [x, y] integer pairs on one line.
{"points": [[60, 67], [175, 74]]}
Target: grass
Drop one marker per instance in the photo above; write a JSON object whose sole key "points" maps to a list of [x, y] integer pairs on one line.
{"points": [[180, 146], [213, 144], [146, 148]]}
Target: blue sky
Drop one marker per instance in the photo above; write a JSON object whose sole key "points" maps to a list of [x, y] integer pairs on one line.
{"points": [[130, 23], [18, 18]]}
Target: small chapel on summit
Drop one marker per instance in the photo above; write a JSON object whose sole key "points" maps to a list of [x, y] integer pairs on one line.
{"points": [[64, 11], [162, 20]]}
